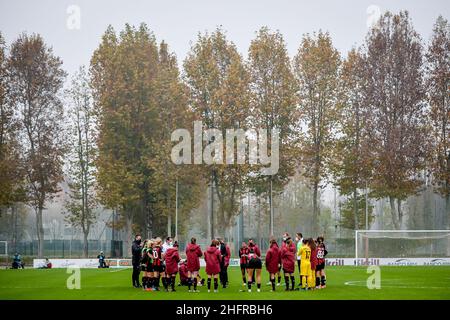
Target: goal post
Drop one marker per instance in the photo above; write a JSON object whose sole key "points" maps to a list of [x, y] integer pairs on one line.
{"points": [[3, 248], [402, 244]]}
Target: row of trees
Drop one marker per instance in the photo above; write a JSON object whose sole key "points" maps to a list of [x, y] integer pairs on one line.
{"points": [[141, 100], [395, 102], [377, 120]]}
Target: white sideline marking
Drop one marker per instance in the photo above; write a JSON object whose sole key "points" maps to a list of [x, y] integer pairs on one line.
{"points": [[118, 269], [362, 283]]}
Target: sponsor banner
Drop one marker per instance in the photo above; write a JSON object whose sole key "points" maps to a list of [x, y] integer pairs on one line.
{"points": [[93, 263], [82, 263], [416, 262], [352, 262], [234, 262], [388, 262], [112, 263], [126, 263], [337, 262], [65, 263]]}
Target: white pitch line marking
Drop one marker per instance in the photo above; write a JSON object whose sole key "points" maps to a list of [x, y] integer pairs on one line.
{"points": [[362, 283]]}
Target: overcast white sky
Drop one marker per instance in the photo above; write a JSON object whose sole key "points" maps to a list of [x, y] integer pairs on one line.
{"points": [[178, 22]]}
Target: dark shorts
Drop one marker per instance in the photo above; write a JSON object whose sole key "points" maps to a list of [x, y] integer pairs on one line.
{"points": [[288, 271], [244, 265], [150, 268], [160, 268], [320, 266], [254, 264]]}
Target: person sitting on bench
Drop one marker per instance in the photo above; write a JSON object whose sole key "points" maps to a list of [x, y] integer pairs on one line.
{"points": [[17, 262], [101, 260]]}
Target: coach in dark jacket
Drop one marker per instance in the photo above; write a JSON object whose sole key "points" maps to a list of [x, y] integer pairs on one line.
{"points": [[224, 262], [136, 250]]}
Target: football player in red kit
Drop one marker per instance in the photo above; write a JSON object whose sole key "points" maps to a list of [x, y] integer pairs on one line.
{"points": [[193, 254], [313, 259], [273, 261], [182, 268], [320, 268], [172, 257], [254, 264], [150, 285], [283, 243], [288, 262], [156, 263], [212, 259], [257, 251], [243, 261], [146, 265]]}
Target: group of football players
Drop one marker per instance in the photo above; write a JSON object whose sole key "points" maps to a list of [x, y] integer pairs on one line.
{"points": [[161, 262], [309, 253]]}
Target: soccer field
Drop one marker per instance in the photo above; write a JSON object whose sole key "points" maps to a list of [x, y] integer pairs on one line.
{"points": [[342, 283]]}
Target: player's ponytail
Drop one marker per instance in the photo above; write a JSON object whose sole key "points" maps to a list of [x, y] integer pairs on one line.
{"points": [[289, 241], [312, 244]]}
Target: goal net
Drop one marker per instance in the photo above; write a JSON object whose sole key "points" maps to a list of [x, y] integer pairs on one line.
{"points": [[402, 243]]}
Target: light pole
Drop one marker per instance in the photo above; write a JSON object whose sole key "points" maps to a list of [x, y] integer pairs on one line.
{"points": [[271, 208], [367, 210], [335, 220], [176, 209], [239, 225], [113, 242], [367, 227]]}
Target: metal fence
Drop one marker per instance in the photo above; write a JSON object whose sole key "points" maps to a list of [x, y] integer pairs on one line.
{"points": [[337, 248], [67, 248]]}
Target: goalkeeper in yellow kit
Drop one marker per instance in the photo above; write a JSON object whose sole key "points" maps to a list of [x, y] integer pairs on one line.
{"points": [[305, 266]]}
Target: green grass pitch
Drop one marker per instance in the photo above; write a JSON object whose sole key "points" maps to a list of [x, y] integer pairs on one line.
{"points": [[342, 283]]}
